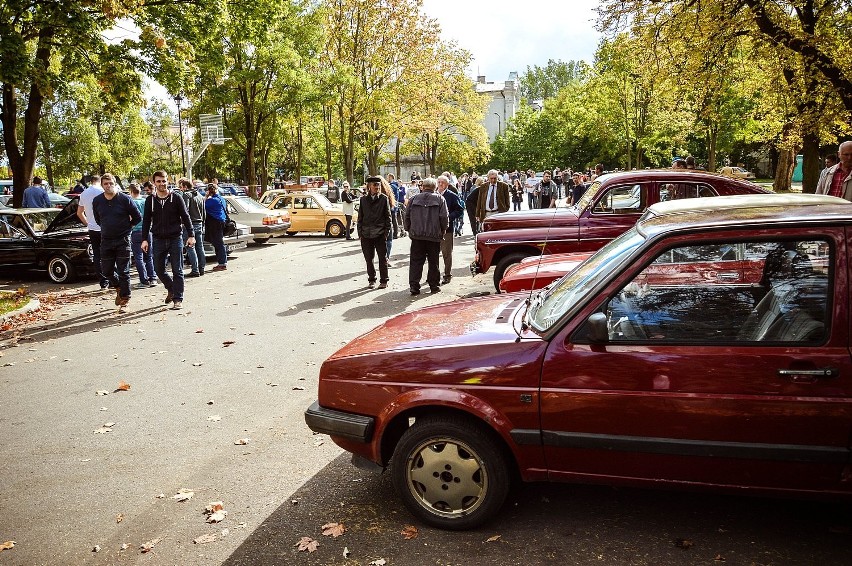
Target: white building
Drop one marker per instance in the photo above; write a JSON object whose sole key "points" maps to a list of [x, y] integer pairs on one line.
{"points": [[505, 101]]}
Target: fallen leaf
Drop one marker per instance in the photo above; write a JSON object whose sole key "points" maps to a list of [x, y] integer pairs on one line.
{"points": [[148, 546], [307, 543], [119, 518], [96, 548], [125, 546], [409, 532], [210, 402], [241, 441], [225, 532], [214, 418], [160, 496], [298, 388], [248, 371], [333, 529], [204, 539], [214, 506], [102, 430], [9, 544], [683, 543], [196, 364], [318, 443], [227, 343], [216, 512], [199, 331], [217, 517], [108, 425], [495, 538], [719, 558], [183, 495], [123, 386], [346, 552], [102, 392], [379, 562]]}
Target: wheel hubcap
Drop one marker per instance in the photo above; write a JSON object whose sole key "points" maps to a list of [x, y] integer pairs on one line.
{"points": [[447, 477]]}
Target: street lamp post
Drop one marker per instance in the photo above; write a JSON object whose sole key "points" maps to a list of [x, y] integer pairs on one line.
{"points": [[178, 100], [499, 122]]}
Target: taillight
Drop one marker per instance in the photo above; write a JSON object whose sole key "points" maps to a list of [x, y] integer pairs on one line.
{"points": [[271, 220]]}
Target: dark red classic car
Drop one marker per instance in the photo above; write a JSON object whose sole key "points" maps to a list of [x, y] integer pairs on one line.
{"points": [[537, 272], [617, 375], [611, 205]]}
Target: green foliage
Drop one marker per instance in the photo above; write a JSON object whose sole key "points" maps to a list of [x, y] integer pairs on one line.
{"points": [[539, 83]]}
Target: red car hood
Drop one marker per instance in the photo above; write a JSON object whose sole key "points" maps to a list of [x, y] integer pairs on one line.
{"points": [[468, 321], [531, 218], [540, 271]]}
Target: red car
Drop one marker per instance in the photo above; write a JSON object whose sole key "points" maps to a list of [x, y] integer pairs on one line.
{"points": [[610, 206], [619, 375], [537, 272]]}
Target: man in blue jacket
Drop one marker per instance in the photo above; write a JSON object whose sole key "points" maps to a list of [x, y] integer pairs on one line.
{"points": [[116, 214], [35, 196]]}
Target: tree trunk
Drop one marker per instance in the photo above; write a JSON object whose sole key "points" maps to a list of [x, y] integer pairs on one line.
{"points": [[397, 156], [712, 138], [326, 129], [300, 146], [48, 162], [810, 161], [784, 170]]}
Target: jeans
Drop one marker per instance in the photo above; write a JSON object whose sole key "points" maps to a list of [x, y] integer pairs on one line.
{"points": [[195, 254], [172, 247], [531, 200], [143, 261], [348, 226], [372, 247], [421, 252], [115, 260], [516, 205], [95, 239], [214, 236], [389, 242]]}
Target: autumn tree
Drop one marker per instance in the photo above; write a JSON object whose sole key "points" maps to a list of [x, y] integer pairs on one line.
{"points": [[539, 83]]}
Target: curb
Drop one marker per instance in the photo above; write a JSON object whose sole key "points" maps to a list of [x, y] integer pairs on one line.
{"points": [[34, 304]]}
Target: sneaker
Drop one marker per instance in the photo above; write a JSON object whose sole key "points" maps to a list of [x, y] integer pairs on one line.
{"points": [[414, 292], [142, 285], [193, 274], [383, 285], [177, 305], [152, 283], [220, 267], [434, 289], [169, 297]]}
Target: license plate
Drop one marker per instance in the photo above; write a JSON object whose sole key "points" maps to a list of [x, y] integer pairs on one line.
{"points": [[236, 246]]}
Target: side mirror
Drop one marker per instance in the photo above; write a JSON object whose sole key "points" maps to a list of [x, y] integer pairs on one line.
{"points": [[598, 332]]}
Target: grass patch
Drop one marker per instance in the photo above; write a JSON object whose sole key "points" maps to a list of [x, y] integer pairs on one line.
{"points": [[13, 300]]}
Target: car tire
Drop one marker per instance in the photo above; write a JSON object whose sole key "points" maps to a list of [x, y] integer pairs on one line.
{"points": [[504, 264], [335, 229], [262, 240], [291, 233], [441, 456], [60, 269]]}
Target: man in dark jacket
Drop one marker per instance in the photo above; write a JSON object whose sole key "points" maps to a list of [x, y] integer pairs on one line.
{"points": [[165, 219], [426, 221], [116, 214], [374, 225], [470, 204]]}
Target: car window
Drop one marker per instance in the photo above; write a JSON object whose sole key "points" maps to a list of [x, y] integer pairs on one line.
{"points": [[676, 191], [729, 292], [250, 205], [627, 199], [306, 202]]}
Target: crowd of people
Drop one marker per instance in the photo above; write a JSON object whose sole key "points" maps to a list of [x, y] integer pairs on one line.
{"points": [[154, 229]]}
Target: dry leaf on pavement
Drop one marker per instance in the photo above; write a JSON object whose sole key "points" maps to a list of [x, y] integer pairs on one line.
{"points": [[241, 441], [119, 518], [149, 546], [102, 392], [123, 386], [719, 558], [204, 539], [216, 511], [409, 532], [7, 545], [307, 543], [379, 562], [227, 343], [346, 552], [199, 331], [495, 538], [96, 548], [183, 495], [214, 418], [683, 543], [333, 529]]}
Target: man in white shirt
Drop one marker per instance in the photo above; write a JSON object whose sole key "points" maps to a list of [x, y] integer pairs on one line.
{"points": [[84, 213]]}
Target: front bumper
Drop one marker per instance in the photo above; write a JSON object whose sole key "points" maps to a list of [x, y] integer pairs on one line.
{"points": [[340, 424]]}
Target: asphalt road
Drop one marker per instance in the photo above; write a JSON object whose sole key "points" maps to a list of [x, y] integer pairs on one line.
{"points": [[240, 362]]}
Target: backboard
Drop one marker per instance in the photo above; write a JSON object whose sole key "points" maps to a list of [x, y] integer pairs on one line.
{"points": [[211, 130]]}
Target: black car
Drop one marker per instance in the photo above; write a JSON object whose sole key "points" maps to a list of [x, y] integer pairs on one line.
{"points": [[46, 238]]}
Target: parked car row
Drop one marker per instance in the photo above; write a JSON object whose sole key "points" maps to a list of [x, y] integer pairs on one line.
{"points": [[706, 347]]}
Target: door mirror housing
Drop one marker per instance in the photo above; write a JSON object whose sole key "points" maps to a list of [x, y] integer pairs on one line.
{"points": [[598, 332]]}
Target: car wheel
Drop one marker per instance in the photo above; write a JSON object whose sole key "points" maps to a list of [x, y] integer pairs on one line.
{"points": [[449, 474], [504, 264], [291, 233], [261, 240], [335, 229], [60, 270]]}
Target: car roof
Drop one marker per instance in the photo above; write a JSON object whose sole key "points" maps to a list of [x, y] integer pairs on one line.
{"points": [[671, 176], [742, 210]]}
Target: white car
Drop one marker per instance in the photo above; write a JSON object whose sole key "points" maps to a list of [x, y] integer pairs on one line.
{"points": [[736, 172], [264, 223]]}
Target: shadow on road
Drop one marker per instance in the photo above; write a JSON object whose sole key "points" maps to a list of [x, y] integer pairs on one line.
{"points": [[549, 524]]}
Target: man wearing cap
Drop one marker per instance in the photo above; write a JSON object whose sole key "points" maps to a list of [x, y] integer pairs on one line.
{"points": [[374, 225]]}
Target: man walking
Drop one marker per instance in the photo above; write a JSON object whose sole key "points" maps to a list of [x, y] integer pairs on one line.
{"points": [[455, 210], [547, 189], [426, 221], [165, 217], [116, 214], [493, 197], [837, 181], [374, 226], [35, 196], [84, 213]]}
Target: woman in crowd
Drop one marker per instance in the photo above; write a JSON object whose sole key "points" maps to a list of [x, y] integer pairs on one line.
{"points": [[517, 194], [348, 198]]}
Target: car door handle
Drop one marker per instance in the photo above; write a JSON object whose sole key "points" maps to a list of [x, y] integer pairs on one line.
{"points": [[729, 276], [807, 375]]}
